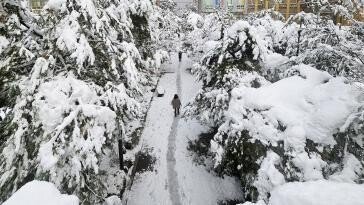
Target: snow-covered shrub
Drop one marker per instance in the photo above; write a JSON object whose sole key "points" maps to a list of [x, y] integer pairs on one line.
{"points": [[72, 78], [270, 31], [168, 5], [271, 13], [195, 20], [166, 26], [205, 33], [358, 29], [291, 130], [334, 10]]}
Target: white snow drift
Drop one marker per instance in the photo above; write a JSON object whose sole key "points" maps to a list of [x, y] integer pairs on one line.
{"points": [[40, 193], [320, 192]]}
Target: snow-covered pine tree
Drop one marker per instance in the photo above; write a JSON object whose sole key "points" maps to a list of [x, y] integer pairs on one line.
{"points": [[223, 67], [74, 79], [203, 33], [265, 143], [15, 28], [166, 26]]}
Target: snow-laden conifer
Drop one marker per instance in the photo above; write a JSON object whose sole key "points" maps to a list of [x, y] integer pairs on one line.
{"points": [[73, 78]]}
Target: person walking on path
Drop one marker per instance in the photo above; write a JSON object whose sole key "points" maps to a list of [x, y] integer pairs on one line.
{"points": [[180, 56], [176, 104]]}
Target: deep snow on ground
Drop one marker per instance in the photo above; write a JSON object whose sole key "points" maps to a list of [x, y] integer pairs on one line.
{"points": [[321, 192], [182, 181], [40, 193], [318, 193]]}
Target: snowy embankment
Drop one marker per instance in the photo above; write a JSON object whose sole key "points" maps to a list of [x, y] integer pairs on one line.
{"points": [[40, 193], [46, 193], [315, 193]]}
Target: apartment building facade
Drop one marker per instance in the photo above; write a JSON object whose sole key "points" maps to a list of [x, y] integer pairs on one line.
{"points": [[286, 7], [37, 5]]}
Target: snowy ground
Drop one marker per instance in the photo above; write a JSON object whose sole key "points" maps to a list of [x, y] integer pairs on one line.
{"points": [[40, 193], [175, 178]]}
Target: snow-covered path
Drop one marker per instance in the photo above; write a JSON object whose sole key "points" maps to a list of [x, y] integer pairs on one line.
{"points": [[175, 178], [171, 159]]}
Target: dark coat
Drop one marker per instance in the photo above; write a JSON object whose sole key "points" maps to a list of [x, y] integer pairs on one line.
{"points": [[176, 103]]}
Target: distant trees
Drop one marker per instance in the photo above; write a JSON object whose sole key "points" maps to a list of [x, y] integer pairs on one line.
{"points": [[327, 47]]}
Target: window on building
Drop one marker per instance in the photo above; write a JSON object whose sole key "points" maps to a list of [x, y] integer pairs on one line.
{"points": [[240, 7], [37, 4]]}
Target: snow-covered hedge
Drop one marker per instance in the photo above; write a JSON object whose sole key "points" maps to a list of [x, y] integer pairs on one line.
{"points": [[280, 120]]}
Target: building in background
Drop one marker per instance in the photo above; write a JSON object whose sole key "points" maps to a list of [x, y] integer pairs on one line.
{"points": [[286, 7], [37, 5], [182, 4], [237, 7], [2, 14], [359, 15], [234, 6]]}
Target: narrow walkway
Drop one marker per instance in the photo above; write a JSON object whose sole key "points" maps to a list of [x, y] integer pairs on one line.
{"points": [[171, 159], [175, 179]]}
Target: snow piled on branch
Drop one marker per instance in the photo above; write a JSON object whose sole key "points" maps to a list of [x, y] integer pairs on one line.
{"points": [[3, 43], [195, 20], [71, 112], [68, 95], [309, 105], [299, 103], [40, 193], [76, 88], [241, 31]]}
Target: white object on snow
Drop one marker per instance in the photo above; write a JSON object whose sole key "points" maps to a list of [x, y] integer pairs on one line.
{"points": [[40, 193], [160, 91]]}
